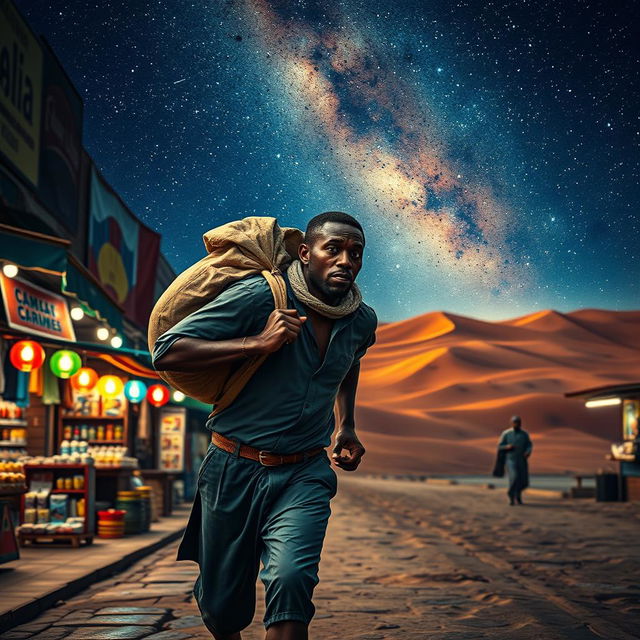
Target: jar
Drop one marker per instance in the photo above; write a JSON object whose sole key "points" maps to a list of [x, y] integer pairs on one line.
{"points": [[68, 483], [78, 482], [60, 483]]}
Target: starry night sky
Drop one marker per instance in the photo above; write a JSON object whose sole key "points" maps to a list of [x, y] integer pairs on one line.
{"points": [[490, 150]]}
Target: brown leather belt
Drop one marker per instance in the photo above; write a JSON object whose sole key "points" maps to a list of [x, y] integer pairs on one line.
{"points": [[265, 458]]}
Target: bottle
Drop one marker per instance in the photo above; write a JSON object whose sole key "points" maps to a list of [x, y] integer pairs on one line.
{"points": [[84, 432], [92, 433], [68, 433], [76, 432], [109, 431], [100, 434]]}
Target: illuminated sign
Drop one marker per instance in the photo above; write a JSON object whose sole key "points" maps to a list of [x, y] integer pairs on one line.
{"points": [[35, 310]]}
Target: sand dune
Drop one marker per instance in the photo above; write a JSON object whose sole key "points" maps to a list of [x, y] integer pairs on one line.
{"points": [[436, 390]]}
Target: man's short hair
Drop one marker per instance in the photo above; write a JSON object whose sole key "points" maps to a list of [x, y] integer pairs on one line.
{"points": [[315, 224]]}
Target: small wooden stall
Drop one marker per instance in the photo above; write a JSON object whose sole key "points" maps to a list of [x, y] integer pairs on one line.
{"points": [[626, 451]]}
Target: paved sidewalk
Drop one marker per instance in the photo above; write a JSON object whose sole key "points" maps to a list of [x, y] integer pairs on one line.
{"points": [[151, 599], [42, 576]]}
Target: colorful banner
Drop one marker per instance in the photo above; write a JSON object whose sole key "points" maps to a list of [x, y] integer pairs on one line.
{"points": [[60, 142], [20, 92], [113, 240], [117, 241], [35, 310]]}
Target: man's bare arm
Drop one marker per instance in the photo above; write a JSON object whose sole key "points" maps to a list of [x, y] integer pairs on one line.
{"points": [[346, 398], [346, 438], [194, 354]]}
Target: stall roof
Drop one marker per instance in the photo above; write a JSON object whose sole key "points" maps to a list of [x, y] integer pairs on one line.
{"points": [[629, 390], [134, 361], [33, 251], [80, 283]]}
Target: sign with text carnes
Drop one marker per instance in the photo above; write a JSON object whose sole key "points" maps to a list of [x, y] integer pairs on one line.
{"points": [[36, 310], [20, 92]]}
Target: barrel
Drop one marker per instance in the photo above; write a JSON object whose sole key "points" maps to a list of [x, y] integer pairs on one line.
{"points": [[131, 502], [111, 523], [145, 496]]}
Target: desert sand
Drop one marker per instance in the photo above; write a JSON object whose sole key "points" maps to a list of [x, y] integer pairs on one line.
{"points": [[437, 390]]}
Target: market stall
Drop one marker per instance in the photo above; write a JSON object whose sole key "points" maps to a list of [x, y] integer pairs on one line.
{"points": [[625, 399]]}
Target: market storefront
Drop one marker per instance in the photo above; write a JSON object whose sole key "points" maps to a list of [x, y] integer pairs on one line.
{"points": [[95, 444], [626, 451]]}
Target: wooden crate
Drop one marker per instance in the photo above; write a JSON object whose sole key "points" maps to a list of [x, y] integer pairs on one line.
{"points": [[54, 539]]}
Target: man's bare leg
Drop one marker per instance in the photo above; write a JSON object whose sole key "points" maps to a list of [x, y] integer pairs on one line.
{"points": [[287, 630]]}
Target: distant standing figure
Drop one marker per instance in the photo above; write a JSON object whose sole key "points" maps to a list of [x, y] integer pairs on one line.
{"points": [[515, 445]]}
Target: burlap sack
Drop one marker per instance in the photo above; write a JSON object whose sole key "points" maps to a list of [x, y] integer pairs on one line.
{"points": [[235, 250]]}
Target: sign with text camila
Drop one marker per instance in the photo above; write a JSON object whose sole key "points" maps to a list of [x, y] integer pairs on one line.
{"points": [[123, 253], [20, 92], [35, 310]]}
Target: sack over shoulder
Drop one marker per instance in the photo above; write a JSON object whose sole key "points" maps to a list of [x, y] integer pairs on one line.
{"points": [[235, 251]]}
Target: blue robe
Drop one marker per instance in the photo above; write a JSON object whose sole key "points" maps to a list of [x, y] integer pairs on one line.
{"points": [[515, 459]]}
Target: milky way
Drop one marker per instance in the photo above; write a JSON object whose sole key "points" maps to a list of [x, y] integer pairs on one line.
{"points": [[390, 146], [490, 151]]}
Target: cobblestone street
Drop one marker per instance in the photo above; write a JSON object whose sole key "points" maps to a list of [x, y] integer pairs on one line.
{"points": [[413, 561]]}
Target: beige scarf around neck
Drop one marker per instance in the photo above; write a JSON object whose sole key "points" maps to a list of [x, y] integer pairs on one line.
{"points": [[299, 285]]}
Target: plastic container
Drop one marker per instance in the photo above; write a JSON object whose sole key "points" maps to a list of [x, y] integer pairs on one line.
{"points": [[131, 502], [111, 523]]}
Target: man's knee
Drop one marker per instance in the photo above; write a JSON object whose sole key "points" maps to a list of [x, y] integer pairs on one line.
{"points": [[292, 577]]}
